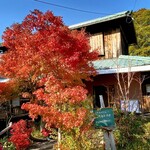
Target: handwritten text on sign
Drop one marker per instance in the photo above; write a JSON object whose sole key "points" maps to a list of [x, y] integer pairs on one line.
{"points": [[104, 118]]}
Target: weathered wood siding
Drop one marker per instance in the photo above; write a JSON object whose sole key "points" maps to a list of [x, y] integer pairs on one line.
{"points": [[112, 44], [108, 43], [96, 43]]}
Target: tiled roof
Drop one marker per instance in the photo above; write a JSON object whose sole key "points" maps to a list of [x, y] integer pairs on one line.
{"points": [[123, 61]]}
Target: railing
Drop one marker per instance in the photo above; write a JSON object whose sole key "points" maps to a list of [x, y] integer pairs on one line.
{"points": [[6, 129]]}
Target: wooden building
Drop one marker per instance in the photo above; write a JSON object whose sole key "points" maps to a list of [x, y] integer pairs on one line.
{"points": [[121, 78], [110, 35]]}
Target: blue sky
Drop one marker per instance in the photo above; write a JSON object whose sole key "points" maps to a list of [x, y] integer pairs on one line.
{"points": [[14, 11]]}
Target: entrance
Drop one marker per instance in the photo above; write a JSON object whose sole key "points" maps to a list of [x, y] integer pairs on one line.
{"points": [[100, 91]]}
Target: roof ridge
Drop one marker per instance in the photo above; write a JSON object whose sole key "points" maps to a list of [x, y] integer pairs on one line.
{"points": [[100, 19]]}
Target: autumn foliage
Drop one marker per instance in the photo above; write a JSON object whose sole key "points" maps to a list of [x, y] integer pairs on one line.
{"points": [[7, 91], [49, 62], [20, 135]]}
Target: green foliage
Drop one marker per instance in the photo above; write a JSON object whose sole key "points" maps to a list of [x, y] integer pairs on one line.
{"points": [[37, 134], [142, 27], [147, 132], [90, 140], [6, 144], [84, 137], [95, 136], [132, 132], [74, 140]]}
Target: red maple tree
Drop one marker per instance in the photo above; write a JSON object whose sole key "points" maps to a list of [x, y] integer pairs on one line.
{"points": [[8, 91], [49, 62]]}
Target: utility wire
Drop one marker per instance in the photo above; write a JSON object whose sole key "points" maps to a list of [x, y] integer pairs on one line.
{"points": [[70, 8], [135, 1]]}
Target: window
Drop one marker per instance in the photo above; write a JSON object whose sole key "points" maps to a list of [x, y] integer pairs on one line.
{"points": [[147, 89], [130, 106], [96, 43]]}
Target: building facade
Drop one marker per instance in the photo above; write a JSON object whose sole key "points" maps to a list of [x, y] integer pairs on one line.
{"points": [[120, 78]]}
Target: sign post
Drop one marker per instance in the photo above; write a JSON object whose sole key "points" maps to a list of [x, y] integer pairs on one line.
{"points": [[105, 120]]}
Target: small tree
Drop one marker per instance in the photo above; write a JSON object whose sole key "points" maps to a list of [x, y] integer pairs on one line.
{"points": [[48, 63], [124, 81], [20, 135]]}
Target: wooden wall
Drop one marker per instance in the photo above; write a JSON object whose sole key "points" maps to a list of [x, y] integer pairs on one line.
{"points": [[97, 43], [107, 43], [110, 82], [112, 44]]}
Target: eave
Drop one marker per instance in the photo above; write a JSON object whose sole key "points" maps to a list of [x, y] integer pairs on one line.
{"points": [[123, 64], [122, 20]]}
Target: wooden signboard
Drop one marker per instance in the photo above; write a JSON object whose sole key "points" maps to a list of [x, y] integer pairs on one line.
{"points": [[104, 118]]}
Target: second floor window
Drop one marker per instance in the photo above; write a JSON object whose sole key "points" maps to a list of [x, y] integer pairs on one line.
{"points": [[96, 43], [108, 43]]}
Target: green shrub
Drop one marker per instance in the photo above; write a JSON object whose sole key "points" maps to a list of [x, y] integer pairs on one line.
{"points": [[6, 144], [132, 132], [92, 139]]}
